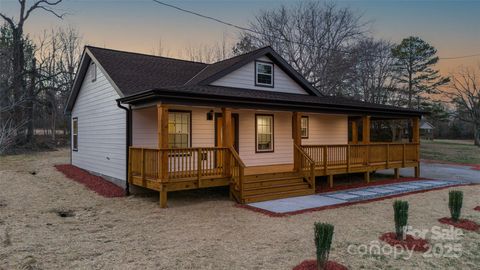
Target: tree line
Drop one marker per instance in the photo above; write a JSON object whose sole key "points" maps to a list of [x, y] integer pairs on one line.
{"points": [[331, 46]]}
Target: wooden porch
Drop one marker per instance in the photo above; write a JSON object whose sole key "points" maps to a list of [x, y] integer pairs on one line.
{"points": [[171, 169]]}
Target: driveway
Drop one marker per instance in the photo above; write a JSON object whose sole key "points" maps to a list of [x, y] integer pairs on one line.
{"points": [[442, 171]]}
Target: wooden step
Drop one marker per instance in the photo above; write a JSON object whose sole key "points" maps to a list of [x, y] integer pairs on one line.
{"points": [[271, 182], [275, 189], [278, 195], [269, 176]]}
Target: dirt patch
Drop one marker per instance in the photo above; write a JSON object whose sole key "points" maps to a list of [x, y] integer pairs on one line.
{"points": [[461, 223], [64, 213], [93, 182], [410, 242], [312, 265]]}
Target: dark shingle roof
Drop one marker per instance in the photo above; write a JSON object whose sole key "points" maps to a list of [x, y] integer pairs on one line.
{"points": [[133, 72], [140, 76]]}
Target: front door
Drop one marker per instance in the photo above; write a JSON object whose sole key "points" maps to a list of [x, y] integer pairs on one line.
{"points": [[219, 133]]}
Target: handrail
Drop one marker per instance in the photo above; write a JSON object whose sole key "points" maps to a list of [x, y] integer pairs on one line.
{"points": [[237, 172], [311, 165]]}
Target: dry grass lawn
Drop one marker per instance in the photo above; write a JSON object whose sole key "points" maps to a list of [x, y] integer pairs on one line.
{"points": [[200, 230], [457, 151]]}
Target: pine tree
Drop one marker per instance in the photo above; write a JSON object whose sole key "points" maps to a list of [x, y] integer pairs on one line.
{"points": [[414, 63]]}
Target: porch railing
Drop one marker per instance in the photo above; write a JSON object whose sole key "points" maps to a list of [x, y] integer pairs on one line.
{"points": [[351, 155], [306, 165], [168, 164], [237, 171]]}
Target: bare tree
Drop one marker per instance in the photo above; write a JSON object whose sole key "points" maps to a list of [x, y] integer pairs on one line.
{"points": [[315, 38], [374, 79], [464, 92], [18, 58], [209, 53]]}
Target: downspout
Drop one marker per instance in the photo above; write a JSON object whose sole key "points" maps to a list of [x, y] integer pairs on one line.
{"points": [[128, 143]]}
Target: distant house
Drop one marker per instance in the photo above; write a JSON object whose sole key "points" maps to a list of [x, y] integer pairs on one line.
{"points": [[426, 130], [250, 122]]}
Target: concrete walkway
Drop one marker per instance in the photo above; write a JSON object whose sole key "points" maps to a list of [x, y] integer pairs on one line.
{"points": [[294, 204], [442, 171]]}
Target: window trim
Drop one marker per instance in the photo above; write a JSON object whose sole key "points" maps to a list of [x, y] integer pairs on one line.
{"points": [[308, 126], [256, 134], [273, 74], [93, 66], [190, 128], [74, 147]]}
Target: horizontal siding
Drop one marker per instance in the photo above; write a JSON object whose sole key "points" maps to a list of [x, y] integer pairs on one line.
{"points": [[101, 129], [144, 127], [244, 77], [283, 142], [327, 129]]}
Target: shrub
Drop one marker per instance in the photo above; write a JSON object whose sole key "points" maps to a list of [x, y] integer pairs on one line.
{"points": [[400, 209], [455, 201], [323, 242]]}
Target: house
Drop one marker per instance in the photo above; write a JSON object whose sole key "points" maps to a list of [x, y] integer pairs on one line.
{"points": [[426, 130], [250, 122]]}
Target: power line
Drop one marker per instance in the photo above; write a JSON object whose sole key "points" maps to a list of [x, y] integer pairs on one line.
{"points": [[276, 37]]}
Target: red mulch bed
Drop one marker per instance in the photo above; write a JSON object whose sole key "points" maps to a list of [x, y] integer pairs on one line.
{"points": [[363, 184], [312, 265], [410, 242], [477, 208], [92, 182], [461, 223]]}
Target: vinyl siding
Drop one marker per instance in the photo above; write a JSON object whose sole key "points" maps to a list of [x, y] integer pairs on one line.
{"points": [[324, 129], [327, 129], [244, 77], [101, 129]]}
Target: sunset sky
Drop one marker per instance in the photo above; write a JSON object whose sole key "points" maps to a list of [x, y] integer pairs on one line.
{"points": [[453, 27]]}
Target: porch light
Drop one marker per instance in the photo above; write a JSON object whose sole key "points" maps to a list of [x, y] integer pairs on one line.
{"points": [[210, 115]]}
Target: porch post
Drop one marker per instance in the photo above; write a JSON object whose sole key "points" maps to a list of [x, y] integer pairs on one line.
{"points": [[416, 139], [366, 140], [227, 137], [297, 139], [354, 132], [162, 133], [366, 129]]}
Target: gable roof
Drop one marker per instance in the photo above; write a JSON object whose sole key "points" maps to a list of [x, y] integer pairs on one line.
{"points": [[139, 78], [132, 73]]}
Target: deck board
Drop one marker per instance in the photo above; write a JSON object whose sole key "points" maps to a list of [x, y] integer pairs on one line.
{"points": [[280, 168]]}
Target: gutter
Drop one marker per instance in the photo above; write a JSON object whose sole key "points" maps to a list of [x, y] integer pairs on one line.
{"points": [[128, 143]]}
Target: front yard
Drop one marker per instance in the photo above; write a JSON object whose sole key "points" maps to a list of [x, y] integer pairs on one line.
{"points": [[457, 151], [48, 221]]}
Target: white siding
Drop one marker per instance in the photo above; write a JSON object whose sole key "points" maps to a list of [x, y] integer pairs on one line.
{"points": [[327, 129], [101, 129], [324, 129], [244, 77], [283, 142], [144, 127]]}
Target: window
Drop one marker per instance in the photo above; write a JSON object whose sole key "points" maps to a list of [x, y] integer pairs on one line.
{"points": [[75, 134], [93, 72], [179, 129], [304, 127], [263, 74], [264, 130]]}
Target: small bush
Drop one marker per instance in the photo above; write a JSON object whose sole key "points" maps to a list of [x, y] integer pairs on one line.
{"points": [[455, 201], [323, 242], [400, 209]]}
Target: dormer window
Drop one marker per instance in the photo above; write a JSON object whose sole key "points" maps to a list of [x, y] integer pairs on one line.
{"points": [[263, 74]]}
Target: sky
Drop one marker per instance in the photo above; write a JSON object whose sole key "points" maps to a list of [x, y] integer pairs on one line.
{"points": [[453, 27]]}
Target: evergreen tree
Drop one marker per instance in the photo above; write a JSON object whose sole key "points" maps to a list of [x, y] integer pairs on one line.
{"points": [[414, 61]]}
